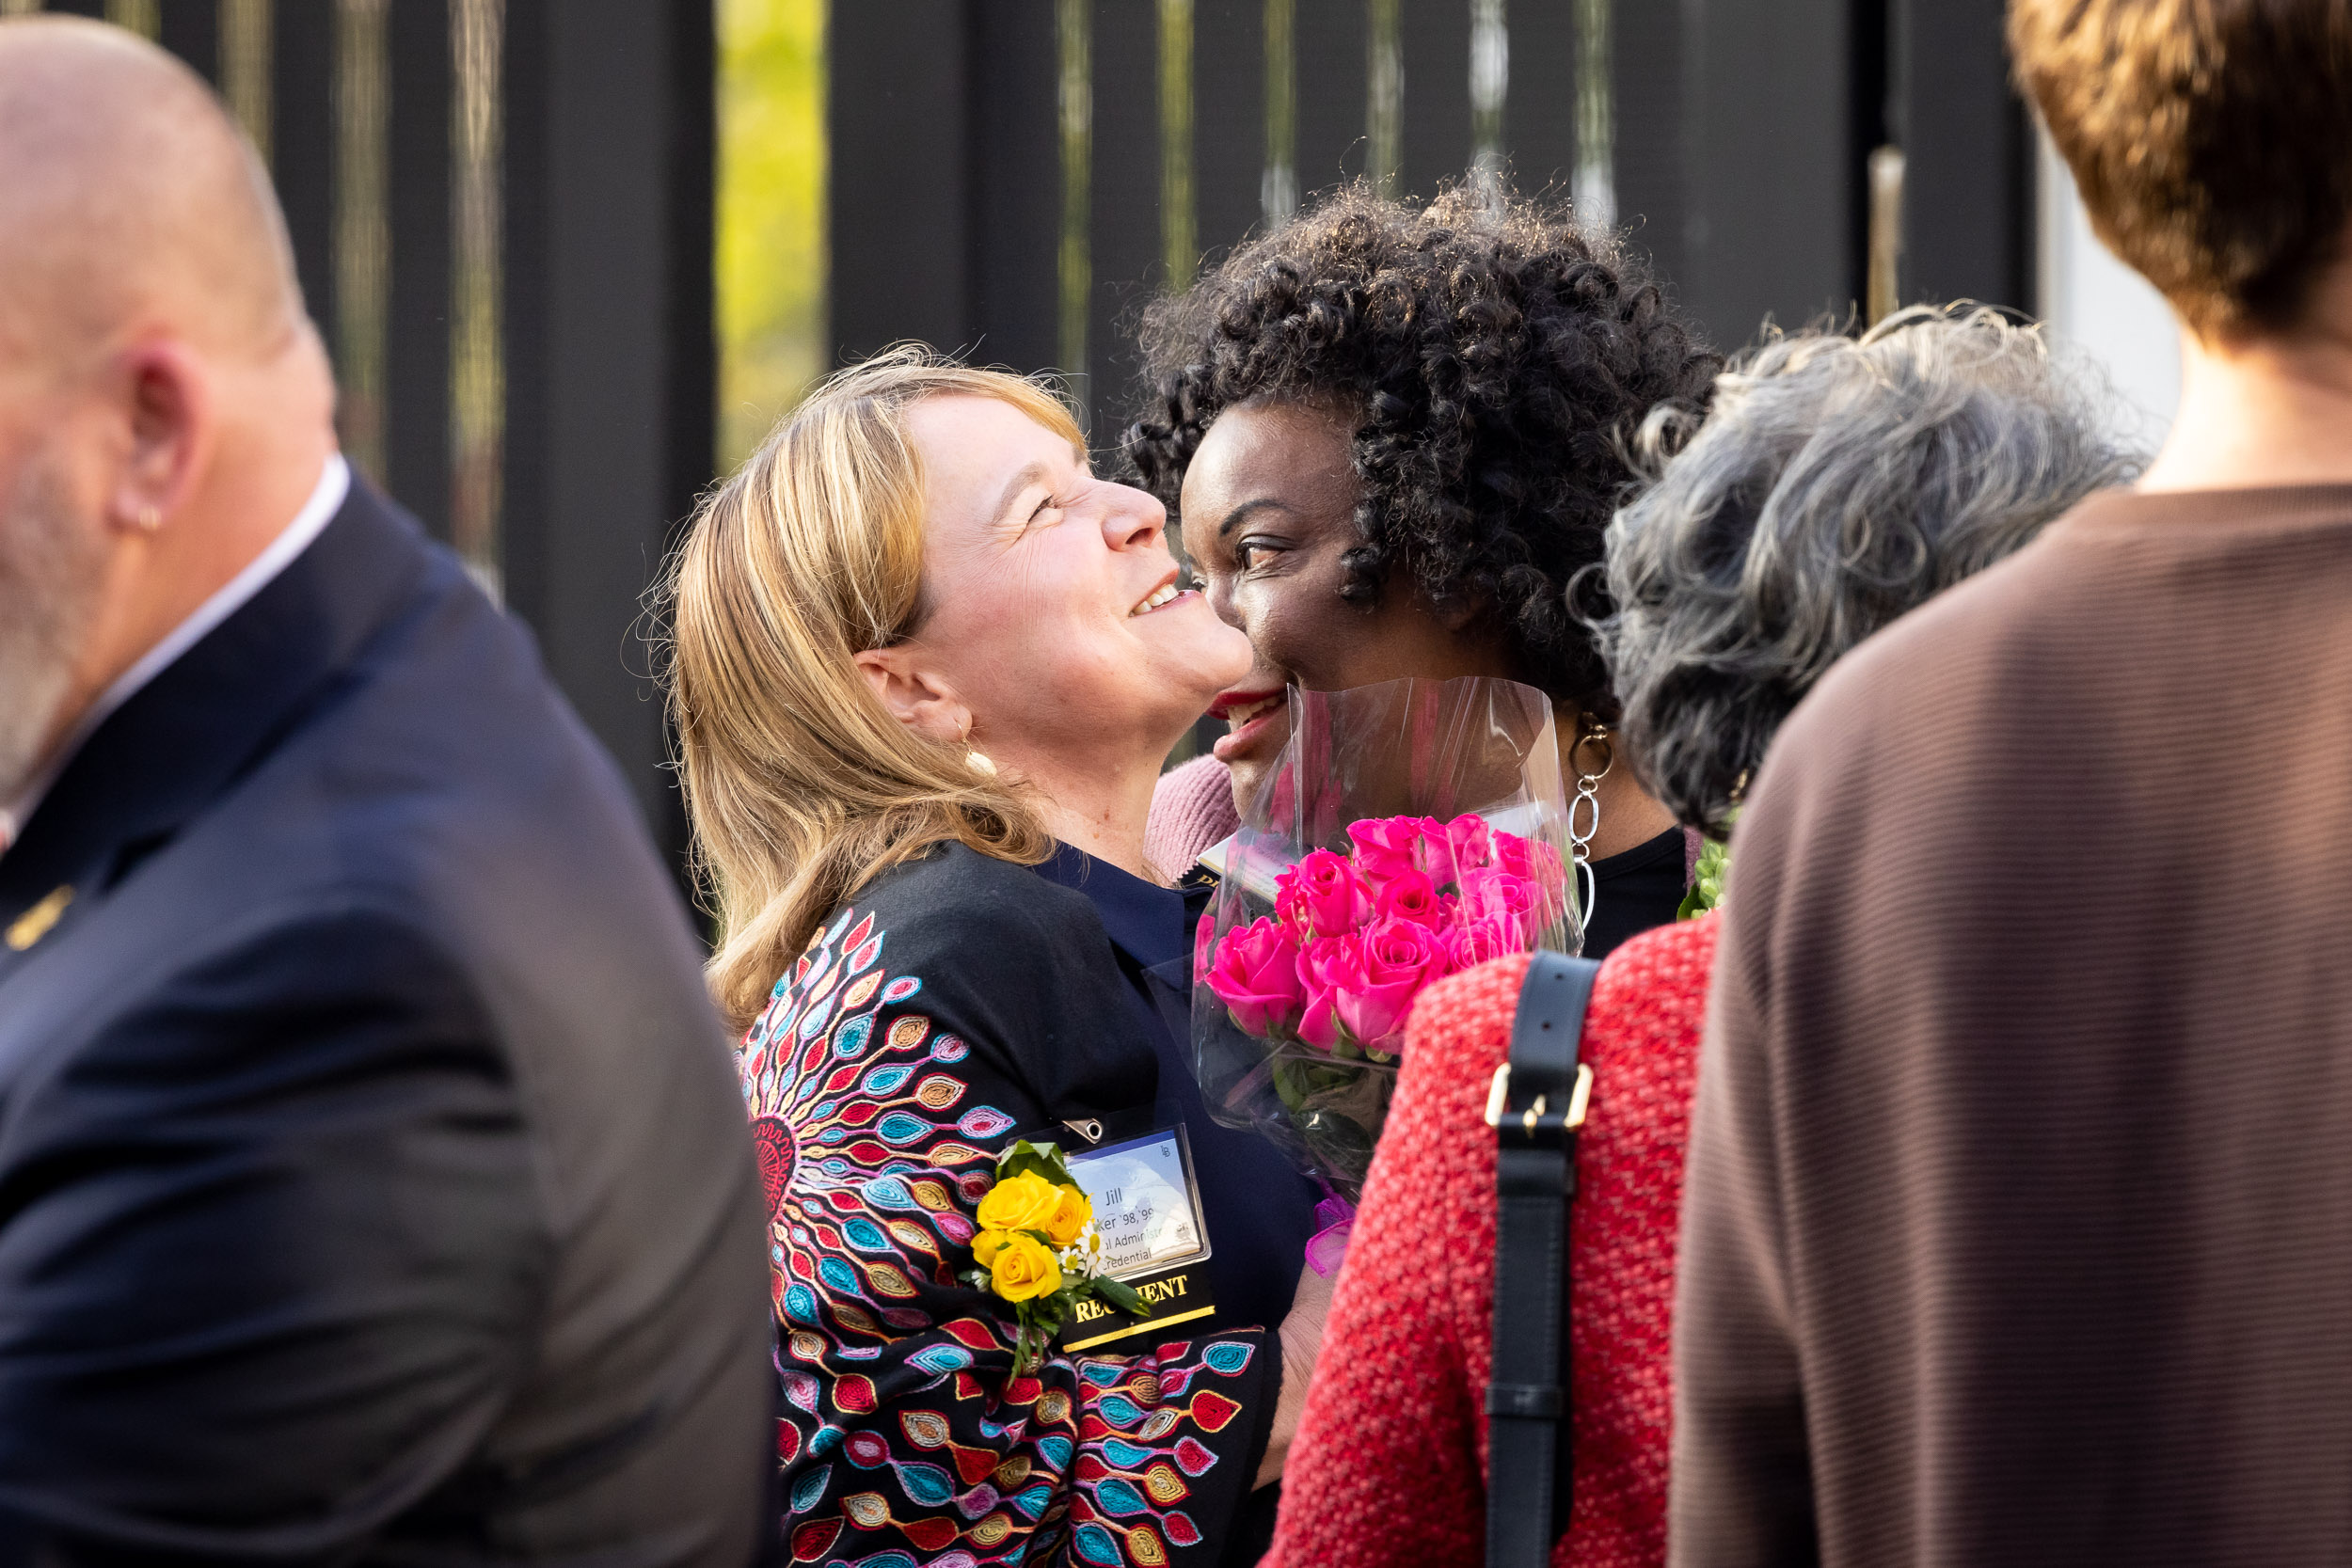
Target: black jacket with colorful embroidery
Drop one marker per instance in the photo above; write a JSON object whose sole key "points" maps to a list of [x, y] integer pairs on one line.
{"points": [[957, 1004]]}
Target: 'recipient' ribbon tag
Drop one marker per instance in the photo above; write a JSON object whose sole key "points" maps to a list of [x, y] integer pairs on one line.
{"points": [[1147, 1210]]}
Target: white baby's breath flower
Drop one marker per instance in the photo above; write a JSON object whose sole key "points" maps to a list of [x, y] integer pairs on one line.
{"points": [[1083, 1255]]}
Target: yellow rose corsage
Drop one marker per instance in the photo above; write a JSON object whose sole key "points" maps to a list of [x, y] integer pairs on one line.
{"points": [[1023, 1202], [1036, 1250], [1073, 1217]]}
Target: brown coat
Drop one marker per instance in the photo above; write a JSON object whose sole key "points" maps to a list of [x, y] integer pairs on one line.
{"points": [[2018, 1224]]}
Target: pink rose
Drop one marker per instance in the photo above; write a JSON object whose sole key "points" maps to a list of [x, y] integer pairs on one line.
{"points": [[1476, 941], [1375, 978], [1516, 855], [1200, 936], [1487, 895], [1322, 895], [1318, 965], [1255, 973], [1411, 896], [1469, 844], [1535, 861], [1389, 846]]}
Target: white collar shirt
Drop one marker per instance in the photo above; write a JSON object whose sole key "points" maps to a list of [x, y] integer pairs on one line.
{"points": [[327, 499]]}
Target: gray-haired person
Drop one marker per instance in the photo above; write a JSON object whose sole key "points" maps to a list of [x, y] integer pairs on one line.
{"points": [[1836, 485]]}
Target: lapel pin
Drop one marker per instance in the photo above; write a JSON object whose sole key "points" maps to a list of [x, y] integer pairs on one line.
{"points": [[34, 923]]}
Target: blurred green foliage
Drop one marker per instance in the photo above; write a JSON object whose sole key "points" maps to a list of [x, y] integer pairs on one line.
{"points": [[772, 214]]}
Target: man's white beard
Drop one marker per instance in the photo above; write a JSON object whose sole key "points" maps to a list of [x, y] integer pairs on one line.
{"points": [[51, 567]]}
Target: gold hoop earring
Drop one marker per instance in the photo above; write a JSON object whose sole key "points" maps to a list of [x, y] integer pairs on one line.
{"points": [[149, 519]]}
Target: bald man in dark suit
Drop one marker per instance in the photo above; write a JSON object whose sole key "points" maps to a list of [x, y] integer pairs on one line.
{"points": [[372, 1183]]}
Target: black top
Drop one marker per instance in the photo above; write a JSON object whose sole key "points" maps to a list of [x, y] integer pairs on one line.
{"points": [[1636, 889], [1260, 1208], [958, 1002], [372, 1184]]}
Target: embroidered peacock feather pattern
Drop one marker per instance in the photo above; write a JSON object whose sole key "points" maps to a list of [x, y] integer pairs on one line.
{"points": [[905, 1439]]}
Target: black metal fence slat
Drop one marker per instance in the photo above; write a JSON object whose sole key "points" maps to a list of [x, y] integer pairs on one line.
{"points": [[191, 29], [1229, 121], [1127, 250], [1010, 155], [1435, 142], [1652, 187], [1539, 100], [303, 141], [898, 187], [1332, 43], [608, 407], [418, 196]]}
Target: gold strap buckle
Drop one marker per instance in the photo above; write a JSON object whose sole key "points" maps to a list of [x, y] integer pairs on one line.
{"points": [[1580, 1099]]}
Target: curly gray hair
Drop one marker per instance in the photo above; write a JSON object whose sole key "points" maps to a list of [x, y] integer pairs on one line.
{"points": [[1836, 483]]}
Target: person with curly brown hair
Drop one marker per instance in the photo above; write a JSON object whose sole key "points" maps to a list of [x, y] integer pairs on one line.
{"points": [[1394, 437]]}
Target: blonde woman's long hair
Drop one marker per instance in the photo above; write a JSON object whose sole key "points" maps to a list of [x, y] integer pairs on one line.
{"points": [[799, 785]]}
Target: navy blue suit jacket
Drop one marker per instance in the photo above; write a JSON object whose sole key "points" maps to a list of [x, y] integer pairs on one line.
{"points": [[373, 1184]]}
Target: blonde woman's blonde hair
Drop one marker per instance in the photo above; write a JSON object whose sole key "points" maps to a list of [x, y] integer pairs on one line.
{"points": [[801, 785]]}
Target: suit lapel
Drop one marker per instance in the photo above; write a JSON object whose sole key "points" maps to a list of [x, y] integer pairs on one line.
{"points": [[206, 721]]}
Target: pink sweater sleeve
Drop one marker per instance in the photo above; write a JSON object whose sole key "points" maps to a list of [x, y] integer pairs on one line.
{"points": [[1192, 807]]}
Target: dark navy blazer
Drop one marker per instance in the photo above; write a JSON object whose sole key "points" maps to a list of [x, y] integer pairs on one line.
{"points": [[1260, 1209], [373, 1185], [1261, 1212]]}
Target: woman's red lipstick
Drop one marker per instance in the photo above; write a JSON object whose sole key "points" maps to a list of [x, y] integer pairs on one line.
{"points": [[1252, 714]]}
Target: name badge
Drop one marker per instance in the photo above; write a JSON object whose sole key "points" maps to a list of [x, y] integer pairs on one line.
{"points": [[1147, 1210]]}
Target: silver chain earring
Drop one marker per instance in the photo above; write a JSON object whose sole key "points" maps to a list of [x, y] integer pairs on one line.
{"points": [[1585, 810]]}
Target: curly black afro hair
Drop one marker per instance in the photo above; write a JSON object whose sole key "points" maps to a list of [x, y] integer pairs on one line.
{"points": [[1493, 361]]}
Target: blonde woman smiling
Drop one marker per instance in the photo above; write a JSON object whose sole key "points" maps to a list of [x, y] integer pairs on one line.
{"points": [[926, 666]]}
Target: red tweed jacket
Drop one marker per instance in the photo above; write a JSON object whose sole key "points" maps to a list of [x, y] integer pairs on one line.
{"points": [[1390, 1459]]}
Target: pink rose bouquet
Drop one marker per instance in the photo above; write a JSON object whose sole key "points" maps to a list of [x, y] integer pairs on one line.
{"points": [[1355, 937], [1410, 829], [1328, 979]]}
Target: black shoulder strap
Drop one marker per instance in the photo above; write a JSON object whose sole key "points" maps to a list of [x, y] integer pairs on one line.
{"points": [[1535, 1106]]}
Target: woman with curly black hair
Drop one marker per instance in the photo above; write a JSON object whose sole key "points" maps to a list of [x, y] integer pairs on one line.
{"points": [[1394, 437]]}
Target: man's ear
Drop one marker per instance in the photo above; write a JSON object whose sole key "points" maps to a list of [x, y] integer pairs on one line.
{"points": [[917, 697], [168, 405]]}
